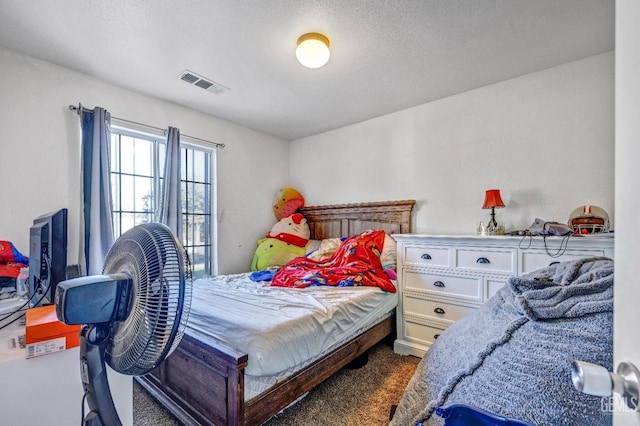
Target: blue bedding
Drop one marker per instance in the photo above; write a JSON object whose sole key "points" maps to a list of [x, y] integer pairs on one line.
{"points": [[512, 357]]}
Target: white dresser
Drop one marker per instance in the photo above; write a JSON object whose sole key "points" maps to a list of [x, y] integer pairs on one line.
{"points": [[443, 278]]}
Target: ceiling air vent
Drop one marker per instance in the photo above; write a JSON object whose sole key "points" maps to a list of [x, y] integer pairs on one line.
{"points": [[203, 83]]}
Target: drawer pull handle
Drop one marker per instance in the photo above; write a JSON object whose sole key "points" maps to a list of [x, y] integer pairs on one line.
{"points": [[438, 311], [425, 256], [483, 260], [435, 336], [438, 284], [554, 263]]}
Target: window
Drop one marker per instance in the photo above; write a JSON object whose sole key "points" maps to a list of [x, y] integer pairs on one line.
{"points": [[137, 167], [196, 168]]}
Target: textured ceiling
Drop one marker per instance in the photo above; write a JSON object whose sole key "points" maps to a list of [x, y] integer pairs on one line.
{"points": [[386, 55]]}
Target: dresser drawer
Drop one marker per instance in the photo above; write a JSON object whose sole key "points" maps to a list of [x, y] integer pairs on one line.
{"points": [[492, 287], [427, 256], [494, 259], [442, 284], [536, 259], [439, 310], [421, 333]]}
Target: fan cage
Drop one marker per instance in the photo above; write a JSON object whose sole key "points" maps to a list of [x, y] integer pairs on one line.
{"points": [[159, 302]]}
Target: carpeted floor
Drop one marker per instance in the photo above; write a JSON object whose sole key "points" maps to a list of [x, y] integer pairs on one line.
{"points": [[359, 397]]}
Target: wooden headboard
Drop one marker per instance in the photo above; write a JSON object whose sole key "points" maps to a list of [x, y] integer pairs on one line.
{"points": [[343, 220]]}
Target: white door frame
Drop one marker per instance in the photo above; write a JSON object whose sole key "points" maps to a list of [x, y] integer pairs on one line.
{"points": [[627, 192]]}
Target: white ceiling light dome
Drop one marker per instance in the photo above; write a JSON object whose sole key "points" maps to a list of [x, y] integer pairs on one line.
{"points": [[313, 50]]}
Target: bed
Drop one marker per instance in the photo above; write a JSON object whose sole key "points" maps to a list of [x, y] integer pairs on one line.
{"points": [[512, 357], [203, 382]]}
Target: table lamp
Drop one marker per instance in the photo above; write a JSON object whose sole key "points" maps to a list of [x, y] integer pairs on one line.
{"points": [[492, 200]]}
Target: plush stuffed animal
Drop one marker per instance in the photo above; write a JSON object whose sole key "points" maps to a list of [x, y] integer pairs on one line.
{"points": [[286, 202], [292, 229], [274, 252], [286, 240]]}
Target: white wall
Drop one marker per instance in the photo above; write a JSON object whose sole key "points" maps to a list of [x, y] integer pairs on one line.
{"points": [[40, 154], [544, 139]]}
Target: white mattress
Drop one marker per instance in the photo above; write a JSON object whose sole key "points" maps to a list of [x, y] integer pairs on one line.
{"points": [[254, 385], [282, 329]]}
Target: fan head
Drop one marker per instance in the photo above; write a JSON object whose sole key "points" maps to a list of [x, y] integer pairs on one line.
{"points": [[143, 298]]}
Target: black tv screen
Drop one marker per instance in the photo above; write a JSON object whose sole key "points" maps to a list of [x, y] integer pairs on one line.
{"points": [[47, 256]]}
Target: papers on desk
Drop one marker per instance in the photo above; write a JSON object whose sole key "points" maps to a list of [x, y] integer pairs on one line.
{"points": [[12, 343]]}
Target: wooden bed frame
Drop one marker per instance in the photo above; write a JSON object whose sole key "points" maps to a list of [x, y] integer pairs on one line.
{"points": [[202, 384]]}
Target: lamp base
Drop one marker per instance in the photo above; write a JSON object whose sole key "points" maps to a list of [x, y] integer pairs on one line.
{"points": [[492, 222], [492, 227]]}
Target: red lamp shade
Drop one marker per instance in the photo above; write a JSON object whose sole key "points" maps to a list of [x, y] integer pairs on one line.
{"points": [[492, 199]]}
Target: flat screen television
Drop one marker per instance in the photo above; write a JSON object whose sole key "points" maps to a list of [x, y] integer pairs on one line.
{"points": [[47, 256]]}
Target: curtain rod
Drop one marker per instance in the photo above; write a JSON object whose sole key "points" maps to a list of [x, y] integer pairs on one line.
{"points": [[216, 144]]}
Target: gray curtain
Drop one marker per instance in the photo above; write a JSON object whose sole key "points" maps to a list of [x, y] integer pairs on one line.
{"points": [[171, 208], [96, 187]]}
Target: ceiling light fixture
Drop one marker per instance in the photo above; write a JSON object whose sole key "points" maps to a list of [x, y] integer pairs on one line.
{"points": [[313, 50]]}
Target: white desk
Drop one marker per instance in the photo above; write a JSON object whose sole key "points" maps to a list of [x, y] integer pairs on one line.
{"points": [[47, 390]]}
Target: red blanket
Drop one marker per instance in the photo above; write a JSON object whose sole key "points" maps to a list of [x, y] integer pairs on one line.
{"points": [[356, 262], [11, 260]]}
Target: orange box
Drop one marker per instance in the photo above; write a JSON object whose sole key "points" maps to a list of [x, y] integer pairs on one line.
{"points": [[45, 334]]}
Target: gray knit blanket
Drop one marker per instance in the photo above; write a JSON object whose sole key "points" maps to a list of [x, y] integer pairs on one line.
{"points": [[513, 356]]}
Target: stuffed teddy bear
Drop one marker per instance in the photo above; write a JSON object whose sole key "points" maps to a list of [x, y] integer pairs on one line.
{"points": [[286, 240], [286, 202]]}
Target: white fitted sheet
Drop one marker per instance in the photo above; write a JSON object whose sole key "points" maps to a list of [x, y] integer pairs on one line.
{"points": [[282, 329], [255, 385]]}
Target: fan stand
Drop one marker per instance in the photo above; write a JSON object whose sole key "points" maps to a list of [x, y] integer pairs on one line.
{"points": [[147, 259], [102, 410]]}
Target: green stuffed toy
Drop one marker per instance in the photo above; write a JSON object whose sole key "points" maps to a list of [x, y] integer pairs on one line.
{"points": [[286, 240], [274, 252]]}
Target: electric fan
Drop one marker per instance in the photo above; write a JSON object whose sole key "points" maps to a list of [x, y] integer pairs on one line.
{"points": [[133, 315]]}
